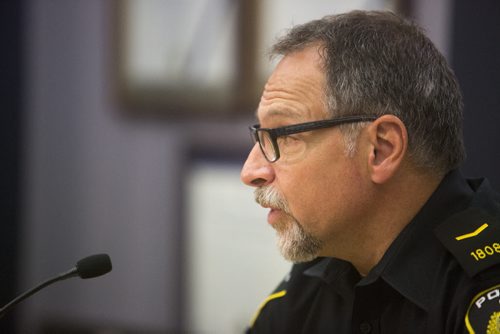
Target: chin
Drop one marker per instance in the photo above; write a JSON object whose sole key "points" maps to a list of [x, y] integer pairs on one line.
{"points": [[298, 259], [296, 245]]}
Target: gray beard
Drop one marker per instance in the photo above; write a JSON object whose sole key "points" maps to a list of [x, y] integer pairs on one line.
{"points": [[294, 243]]}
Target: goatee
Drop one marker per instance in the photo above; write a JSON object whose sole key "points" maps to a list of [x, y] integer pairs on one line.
{"points": [[294, 243]]}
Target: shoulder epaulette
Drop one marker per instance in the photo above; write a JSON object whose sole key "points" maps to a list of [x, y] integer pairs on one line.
{"points": [[473, 237]]}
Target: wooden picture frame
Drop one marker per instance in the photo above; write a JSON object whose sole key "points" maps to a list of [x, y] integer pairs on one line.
{"points": [[185, 58]]}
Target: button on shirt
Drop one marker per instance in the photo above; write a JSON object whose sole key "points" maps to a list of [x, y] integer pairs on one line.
{"points": [[417, 287]]}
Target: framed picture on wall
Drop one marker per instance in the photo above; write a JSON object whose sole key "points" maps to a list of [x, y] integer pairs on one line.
{"points": [[186, 58]]}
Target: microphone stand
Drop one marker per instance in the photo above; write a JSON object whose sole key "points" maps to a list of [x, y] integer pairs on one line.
{"points": [[20, 298], [89, 267]]}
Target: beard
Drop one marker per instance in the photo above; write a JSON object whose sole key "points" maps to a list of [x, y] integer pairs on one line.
{"points": [[294, 243]]}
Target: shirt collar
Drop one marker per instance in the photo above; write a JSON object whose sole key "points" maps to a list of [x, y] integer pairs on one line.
{"points": [[411, 262], [338, 274]]}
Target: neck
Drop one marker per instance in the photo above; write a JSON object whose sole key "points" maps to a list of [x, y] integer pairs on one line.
{"points": [[393, 206]]}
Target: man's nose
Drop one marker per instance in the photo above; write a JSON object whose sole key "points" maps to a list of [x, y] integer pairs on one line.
{"points": [[257, 171]]}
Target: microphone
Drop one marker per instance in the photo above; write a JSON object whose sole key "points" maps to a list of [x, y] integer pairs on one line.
{"points": [[88, 267]]}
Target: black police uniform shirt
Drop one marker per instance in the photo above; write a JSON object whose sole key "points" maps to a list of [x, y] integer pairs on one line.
{"points": [[440, 275]]}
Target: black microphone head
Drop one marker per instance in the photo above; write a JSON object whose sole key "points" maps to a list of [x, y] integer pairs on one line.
{"points": [[93, 266]]}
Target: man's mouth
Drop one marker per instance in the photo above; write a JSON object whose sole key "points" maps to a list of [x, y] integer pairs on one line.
{"points": [[274, 215]]}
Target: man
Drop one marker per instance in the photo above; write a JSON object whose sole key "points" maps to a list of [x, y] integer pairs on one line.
{"points": [[356, 156]]}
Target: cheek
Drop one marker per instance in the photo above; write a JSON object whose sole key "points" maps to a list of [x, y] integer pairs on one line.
{"points": [[323, 193], [308, 192], [325, 186]]}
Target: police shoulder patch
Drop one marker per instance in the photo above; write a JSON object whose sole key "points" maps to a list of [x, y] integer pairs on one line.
{"points": [[483, 313], [473, 237]]}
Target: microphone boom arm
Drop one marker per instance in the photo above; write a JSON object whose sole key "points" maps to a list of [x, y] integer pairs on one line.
{"points": [[34, 290], [89, 267]]}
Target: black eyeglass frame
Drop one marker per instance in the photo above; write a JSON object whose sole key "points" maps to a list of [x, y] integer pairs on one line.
{"points": [[275, 133]]}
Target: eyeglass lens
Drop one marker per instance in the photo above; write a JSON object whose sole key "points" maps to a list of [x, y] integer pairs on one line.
{"points": [[266, 144]]}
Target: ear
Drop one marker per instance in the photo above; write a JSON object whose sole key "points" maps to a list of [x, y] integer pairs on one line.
{"points": [[389, 142]]}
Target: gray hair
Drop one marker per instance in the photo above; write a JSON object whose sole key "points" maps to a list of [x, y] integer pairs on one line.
{"points": [[378, 63]]}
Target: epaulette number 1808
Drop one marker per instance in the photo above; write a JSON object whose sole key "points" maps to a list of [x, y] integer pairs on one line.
{"points": [[472, 236], [488, 250]]}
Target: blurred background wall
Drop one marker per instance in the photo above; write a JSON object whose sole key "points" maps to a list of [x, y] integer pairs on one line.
{"points": [[81, 175]]}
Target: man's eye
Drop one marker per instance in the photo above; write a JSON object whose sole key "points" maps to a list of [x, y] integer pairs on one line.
{"points": [[288, 140], [291, 146]]}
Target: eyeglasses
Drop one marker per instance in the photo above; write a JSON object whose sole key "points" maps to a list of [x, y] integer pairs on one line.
{"points": [[276, 140]]}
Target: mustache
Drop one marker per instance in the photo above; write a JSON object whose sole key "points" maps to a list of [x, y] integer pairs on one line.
{"points": [[268, 196]]}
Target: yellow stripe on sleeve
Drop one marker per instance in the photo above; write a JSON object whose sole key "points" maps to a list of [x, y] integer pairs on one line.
{"points": [[275, 295]]}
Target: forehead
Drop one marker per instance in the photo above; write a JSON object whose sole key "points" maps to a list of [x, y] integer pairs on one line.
{"points": [[296, 88]]}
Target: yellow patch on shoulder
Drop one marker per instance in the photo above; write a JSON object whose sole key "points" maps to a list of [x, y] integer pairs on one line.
{"points": [[483, 313]]}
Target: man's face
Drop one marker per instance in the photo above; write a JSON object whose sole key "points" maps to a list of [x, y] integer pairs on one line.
{"points": [[315, 198]]}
